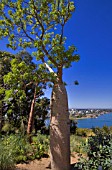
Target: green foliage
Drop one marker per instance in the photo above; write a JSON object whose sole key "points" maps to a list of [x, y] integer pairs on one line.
{"points": [[41, 112], [73, 126], [81, 132], [110, 129], [16, 95], [7, 160], [40, 145], [5, 59], [18, 145], [16, 148], [39, 25], [77, 144], [104, 130], [84, 132], [99, 153], [21, 79], [7, 128]]}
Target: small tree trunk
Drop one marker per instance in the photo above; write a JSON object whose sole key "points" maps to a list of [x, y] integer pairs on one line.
{"points": [[31, 115], [59, 129], [30, 121]]}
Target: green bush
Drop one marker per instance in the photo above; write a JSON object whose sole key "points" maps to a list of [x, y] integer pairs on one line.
{"points": [[7, 128], [40, 146], [99, 153], [16, 148], [110, 129], [77, 144], [104, 130], [73, 126], [7, 160], [81, 132], [19, 146], [84, 132]]}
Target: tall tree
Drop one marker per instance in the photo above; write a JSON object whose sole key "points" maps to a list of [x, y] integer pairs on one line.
{"points": [[24, 89], [40, 25], [5, 59]]}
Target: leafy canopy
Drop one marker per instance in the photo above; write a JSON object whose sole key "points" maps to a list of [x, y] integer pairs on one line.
{"points": [[39, 25], [5, 59], [21, 80]]}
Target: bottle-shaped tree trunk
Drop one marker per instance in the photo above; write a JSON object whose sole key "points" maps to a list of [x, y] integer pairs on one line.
{"points": [[59, 129]]}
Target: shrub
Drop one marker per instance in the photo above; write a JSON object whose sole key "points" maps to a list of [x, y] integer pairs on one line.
{"points": [[7, 128], [81, 132], [99, 153], [110, 130], [77, 144], [40, 146], [84, 132], [104, 130], [7, 160], [73, 126], [16, 148], [19, 146]]}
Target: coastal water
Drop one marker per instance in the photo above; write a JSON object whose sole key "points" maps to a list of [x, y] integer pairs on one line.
{"points": [[105, 119]]}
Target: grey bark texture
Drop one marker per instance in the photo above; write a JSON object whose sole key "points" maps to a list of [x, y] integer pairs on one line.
{"points": [[59, 129]]}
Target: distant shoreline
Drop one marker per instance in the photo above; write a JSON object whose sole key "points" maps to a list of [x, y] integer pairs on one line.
{"points": [[89, 116]]}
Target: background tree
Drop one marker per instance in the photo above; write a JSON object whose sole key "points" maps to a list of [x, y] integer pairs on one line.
{"points": [[41, 114], [32, 24], [5, 59], [24, 88]]}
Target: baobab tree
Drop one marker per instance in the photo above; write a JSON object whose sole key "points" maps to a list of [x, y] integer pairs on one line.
{"points": [[40, 25]]}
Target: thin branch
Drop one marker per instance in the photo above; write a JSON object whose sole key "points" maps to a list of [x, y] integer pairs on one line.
{"points": [[62, 32], [66, 18], [47, 54], [26, 32], [42, 27], [29, 83]]}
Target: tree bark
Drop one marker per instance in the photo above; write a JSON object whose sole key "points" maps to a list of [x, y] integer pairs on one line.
{"points": [[31, 115], [59, 129]]}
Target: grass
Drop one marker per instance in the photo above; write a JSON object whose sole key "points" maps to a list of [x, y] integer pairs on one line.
{"points": [[16, 148], [7, 160]]}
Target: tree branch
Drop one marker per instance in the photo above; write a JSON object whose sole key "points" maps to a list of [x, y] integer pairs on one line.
{"points": [[29, 83], [47, 54], [62, 32], [26, 32], [42, 27]]}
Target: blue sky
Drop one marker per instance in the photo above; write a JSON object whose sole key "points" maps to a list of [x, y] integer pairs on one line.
{"points": [[90, 30]]}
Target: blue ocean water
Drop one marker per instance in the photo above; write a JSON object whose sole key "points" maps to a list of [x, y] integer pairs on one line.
{"points": [[105, 119]]}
